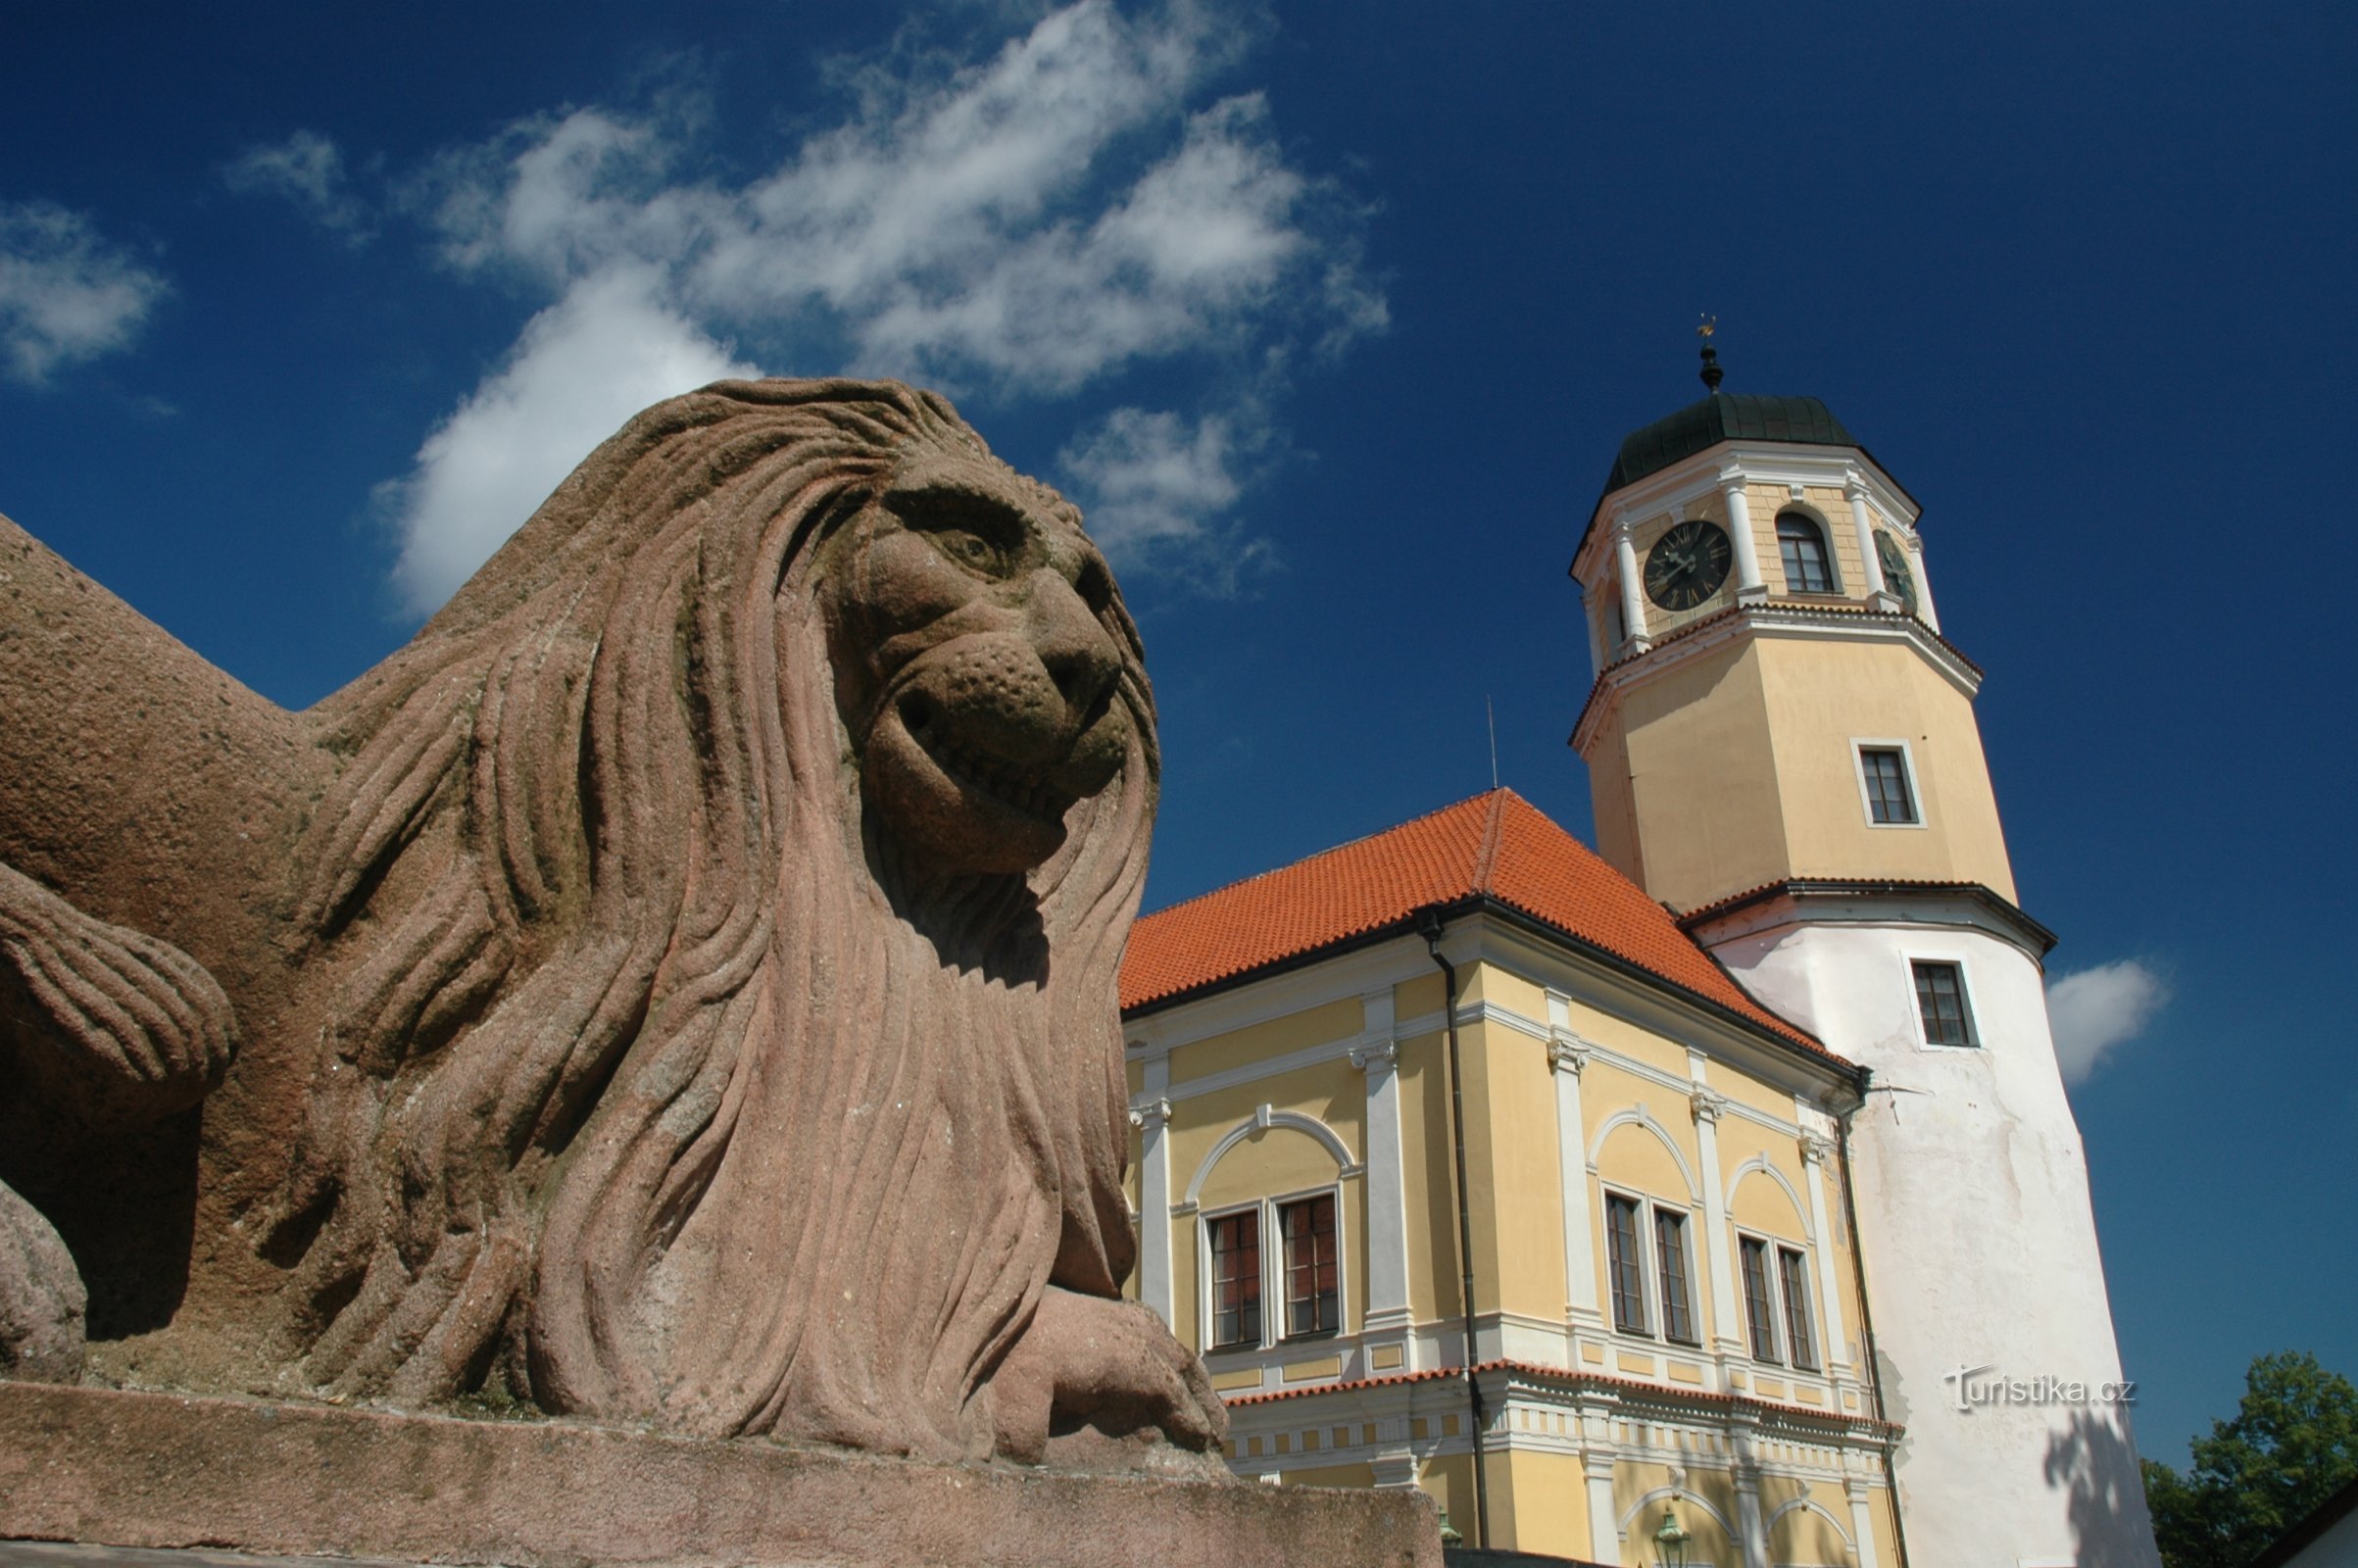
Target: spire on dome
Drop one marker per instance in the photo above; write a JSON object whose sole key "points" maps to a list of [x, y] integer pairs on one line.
{"points": [[1713, 373]]}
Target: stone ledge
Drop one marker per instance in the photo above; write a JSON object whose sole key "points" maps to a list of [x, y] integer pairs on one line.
{"points": [[156, 1470]]}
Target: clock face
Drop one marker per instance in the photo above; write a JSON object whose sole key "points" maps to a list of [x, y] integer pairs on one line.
{"points": [[1895, 573], [1687, 565]]}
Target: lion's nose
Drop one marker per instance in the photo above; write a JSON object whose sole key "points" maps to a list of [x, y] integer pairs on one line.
{"points": [[1073, 644]]}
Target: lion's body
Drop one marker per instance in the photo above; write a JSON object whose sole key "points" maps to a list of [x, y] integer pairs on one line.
{"points": [[606, 1044]]}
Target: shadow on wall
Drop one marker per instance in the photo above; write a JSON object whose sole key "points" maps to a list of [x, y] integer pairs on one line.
{"points": [[2093, 1458]]}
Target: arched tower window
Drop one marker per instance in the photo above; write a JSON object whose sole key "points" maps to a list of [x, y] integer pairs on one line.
{"points": [[1808, 569]]}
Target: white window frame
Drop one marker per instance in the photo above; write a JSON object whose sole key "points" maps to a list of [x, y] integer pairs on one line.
{"points": [[1688, 1221], [1273, 1273], [1656, 1327], [1206, 1287], [1809, 1271], [1860, 746], [1973, 1013]]}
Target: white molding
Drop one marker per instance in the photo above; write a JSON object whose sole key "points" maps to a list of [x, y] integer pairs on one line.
{"points": [[1761, 1162], [1783, 618], [1809, 1506], [1640, 1116], [1262, 1119]]}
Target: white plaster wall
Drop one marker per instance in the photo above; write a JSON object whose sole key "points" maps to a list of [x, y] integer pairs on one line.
{"points": [[1980, 1247]]}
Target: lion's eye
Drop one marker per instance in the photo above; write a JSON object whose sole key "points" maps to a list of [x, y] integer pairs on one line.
{"points": [[969, 549]]}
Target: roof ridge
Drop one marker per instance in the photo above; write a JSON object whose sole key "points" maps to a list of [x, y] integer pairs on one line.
{"points": [[1486, 855], [1320, 854]]}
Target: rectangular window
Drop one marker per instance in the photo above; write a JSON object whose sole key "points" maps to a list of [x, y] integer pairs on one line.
{"points": [[1625, 1262], [1759, 1315], [1890, 801], [1236, 1280], [1792, 1272], [1941, 1002], [1670, 1249], [1312, 1305]]}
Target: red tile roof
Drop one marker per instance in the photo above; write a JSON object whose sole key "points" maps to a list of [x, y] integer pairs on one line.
{"points": [[1497, 846]]}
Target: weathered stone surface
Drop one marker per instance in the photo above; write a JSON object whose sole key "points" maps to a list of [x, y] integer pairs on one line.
{"points": [[41, 1298], [677, 988], [156, 1470]]}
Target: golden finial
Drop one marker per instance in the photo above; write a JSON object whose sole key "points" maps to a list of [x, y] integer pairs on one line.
{"points": [[1710, 326]]}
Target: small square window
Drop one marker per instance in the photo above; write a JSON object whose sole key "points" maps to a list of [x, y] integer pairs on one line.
{"points": [[1942, 1005], [1891, 802]]}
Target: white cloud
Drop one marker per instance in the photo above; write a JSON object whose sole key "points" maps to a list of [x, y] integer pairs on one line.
{"points": [[65, 293], [2094, 1011], [1018, 227], [584, 366], [308, 170], [1147, 479]]}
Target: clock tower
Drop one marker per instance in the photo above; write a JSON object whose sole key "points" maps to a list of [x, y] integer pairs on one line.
{"points": [[1782, 749]]}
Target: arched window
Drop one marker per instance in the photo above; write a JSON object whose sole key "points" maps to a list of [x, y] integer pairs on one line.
{"points": [[1808, 569]]}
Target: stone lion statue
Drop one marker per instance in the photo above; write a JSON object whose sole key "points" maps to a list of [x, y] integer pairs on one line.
{"points": [[677, 986]]}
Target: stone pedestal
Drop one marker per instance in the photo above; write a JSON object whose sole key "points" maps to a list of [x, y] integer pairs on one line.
{"points": [[162, 1470]]}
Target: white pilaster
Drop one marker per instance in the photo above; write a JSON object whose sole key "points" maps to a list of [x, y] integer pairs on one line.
{"points": [[1749, 589], [1152, 1117], [1815, 1153], [1376, 1056], [1862, 1524], [1925, 610], [1567, 1055], [1598, 1453], [1726, 1342], [1633, 601], [1862, 522]]}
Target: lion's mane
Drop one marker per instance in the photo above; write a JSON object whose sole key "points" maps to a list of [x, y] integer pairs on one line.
{"points": [[646, 1091]]}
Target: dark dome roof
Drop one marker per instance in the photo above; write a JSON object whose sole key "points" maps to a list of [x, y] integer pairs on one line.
{"points": [[1725, 416]]}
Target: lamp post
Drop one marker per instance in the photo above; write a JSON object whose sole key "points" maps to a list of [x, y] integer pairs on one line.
{"points": [[1670, 1541]]}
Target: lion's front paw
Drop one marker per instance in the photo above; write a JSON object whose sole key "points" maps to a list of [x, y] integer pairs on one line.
{"points": [[1101, 1384]]}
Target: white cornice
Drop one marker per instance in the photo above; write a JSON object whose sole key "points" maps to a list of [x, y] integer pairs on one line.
{"points": [[1783, 620]]}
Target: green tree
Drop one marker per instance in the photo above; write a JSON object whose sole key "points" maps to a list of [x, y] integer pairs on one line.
{"points": [[2293, 1444]]}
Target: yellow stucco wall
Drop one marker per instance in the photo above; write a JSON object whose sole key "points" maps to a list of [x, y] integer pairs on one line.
{"points": [[1515, 1208], [1738, 768], [1820, 697]]}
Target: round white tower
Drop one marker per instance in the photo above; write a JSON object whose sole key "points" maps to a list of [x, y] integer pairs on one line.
{"points": [[1782, 748]]}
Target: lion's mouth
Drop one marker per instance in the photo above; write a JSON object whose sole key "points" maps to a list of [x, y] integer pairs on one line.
{"points": [[1016, 788]]}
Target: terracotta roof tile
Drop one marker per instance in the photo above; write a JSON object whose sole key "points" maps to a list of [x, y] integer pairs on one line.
{"points": [[1496, 845]]}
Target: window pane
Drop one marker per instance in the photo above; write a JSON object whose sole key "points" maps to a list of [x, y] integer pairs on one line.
{"points": [[1236, 1279], [1759, 1317], [1312, 1303], [1670, 1249], [1622, 1262], [1794, 1274], [1941, 1002]]}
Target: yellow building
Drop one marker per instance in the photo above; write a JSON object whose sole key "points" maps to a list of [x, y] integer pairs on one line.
{"points": [[1664, 1305], [1725, 1157]]}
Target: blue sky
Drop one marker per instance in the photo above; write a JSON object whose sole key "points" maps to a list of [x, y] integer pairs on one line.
{"points": [[1332, 318]]}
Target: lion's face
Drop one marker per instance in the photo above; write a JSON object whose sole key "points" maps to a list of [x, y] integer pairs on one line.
{"points": [[975, 667]]}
